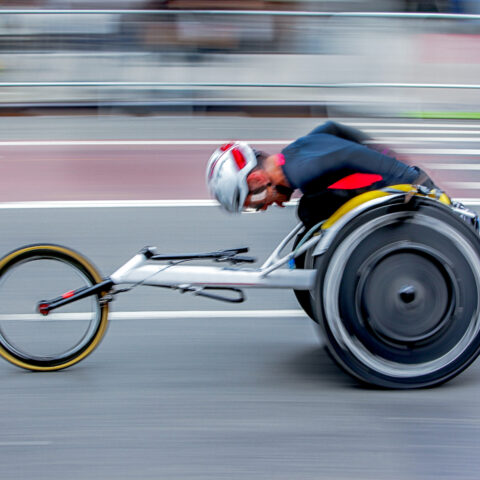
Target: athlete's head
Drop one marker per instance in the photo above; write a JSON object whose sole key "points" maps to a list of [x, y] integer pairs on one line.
{"points": [[227, 172], [238, 178]]}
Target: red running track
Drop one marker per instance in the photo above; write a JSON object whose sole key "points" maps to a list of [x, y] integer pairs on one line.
{"points": [[137, 172]]}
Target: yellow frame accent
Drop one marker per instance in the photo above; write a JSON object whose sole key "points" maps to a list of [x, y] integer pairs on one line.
{"points": [[373, 194]]}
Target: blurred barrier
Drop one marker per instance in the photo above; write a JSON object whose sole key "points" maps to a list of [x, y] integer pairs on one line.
{"points": [[248, 13], [383, 63]]}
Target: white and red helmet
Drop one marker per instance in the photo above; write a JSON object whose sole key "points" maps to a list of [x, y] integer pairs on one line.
{"points": [[227, 172]]}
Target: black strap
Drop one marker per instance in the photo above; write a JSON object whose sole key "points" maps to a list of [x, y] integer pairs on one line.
{"points": [[283, 190], [422, 177]]}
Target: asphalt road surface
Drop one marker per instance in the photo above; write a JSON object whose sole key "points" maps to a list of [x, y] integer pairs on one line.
{"points": [[200, 393]]}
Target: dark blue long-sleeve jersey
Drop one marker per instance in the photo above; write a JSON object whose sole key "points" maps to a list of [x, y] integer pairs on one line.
{"points": [[333, 151]]}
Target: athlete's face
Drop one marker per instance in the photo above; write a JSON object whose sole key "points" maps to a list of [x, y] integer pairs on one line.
{"points": [[260, 200], [262, 193]]}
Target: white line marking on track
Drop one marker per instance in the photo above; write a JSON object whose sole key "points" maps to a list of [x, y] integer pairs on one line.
{"points": [[439, 151], [465, 185], [403, 140], [157, 315], [160, 315], [437, 420], [442, 132], [471, 202], [108, 204], [454, 166], [411, 125], [140, 204], [116, 204], [101, 143], [26, 443], [136, 143], [390, 141]]}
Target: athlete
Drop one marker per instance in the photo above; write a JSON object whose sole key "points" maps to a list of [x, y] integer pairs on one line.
{"points": [[330, 165]]}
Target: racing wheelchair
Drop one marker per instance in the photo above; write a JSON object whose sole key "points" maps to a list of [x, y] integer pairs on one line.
{"points": [[391, 279]]}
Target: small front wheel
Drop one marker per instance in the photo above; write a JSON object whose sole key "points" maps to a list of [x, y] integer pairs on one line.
{"points": [[66, 335]]}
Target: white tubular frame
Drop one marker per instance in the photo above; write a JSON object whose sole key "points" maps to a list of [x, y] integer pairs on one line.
{"points": [[140, 271]]}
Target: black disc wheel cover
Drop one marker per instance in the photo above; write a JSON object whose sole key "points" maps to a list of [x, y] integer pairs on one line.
{"points": [[400, 297], [405, 296]]}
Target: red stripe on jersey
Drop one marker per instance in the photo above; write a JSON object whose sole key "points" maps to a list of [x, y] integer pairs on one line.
{"points": [[356, 180]]}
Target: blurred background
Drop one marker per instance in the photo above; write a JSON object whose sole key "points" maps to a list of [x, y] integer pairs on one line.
{"points": [[336, 57], [109, 111]]}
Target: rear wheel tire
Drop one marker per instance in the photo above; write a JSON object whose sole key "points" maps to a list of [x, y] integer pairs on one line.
{"points": [[66, 335], [304, 296], [399, 291]]}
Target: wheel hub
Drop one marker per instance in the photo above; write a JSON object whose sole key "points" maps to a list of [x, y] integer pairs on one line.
{"points": [[405, 296]]}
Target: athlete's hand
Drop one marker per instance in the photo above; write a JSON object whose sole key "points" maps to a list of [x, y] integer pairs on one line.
{"points": [[280, 199]]}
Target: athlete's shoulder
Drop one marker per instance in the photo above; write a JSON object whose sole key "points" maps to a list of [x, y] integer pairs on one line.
{"points": [[327, 127]]}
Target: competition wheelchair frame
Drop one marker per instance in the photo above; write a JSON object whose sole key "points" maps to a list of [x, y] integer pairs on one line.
{"points": [[391, 279]]}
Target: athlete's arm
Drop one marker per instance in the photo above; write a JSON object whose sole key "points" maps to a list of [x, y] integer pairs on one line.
{"points": [[342, 131], [354, 135]]}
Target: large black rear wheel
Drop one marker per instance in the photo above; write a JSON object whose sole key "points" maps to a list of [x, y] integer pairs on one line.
{"points": [[399, 297]]}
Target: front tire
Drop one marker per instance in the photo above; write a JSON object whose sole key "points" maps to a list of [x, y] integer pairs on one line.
{"points": [[399, 292], [68, 334]]}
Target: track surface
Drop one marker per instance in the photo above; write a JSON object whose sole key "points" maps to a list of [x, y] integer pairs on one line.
{"points": [[140, 158], [213, 398]]}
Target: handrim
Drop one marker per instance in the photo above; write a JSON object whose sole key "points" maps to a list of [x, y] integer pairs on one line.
{"points": [[331, 291]]}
